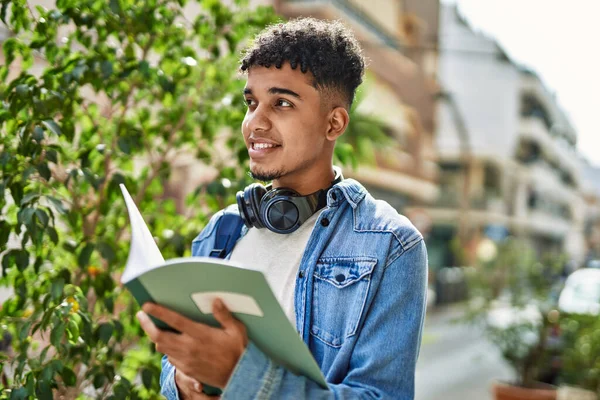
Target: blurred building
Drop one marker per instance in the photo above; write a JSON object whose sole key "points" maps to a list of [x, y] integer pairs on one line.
{"points": [[506, 153]]}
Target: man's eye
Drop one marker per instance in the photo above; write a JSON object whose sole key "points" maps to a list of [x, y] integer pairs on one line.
{"points": [[249, 102], [284, 103]]}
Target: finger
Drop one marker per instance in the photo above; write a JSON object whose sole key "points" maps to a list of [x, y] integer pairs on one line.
{"points": [[162, 339], [171, 318], [147, 324], [182, 379]]}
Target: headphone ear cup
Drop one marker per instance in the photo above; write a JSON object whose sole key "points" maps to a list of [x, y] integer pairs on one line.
{"points": [[279, 210], [255, 193]]}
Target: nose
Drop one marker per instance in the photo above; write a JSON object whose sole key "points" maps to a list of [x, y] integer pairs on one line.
{"points": [[257, 120]]}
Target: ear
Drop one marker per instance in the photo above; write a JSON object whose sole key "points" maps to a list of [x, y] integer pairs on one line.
{"points": [[338, 122]]}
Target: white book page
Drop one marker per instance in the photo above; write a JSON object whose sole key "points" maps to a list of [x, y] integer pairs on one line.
{"points": [[143, 251]]}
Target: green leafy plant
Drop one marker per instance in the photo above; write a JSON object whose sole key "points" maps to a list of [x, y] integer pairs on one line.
{"points": [[96, 93], [512, 296], [580, 359], [364, 136], [125, 87]]}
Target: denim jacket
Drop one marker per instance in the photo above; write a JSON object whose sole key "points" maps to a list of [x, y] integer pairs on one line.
{"points": [[359, 301]]}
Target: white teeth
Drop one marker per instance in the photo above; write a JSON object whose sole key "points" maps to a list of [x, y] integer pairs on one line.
{"points": [[263, 145]]}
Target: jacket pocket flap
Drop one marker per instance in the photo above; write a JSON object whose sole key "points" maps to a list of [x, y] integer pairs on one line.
{"points": [[344, 271]]}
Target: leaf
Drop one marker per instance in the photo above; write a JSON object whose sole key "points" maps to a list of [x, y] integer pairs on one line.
{"points": [[9, 46], [16, 190], [72, 331], [44, 391], [38, 134], [22, 90], [124, 145], [147, 378], [56, 366], [84, 256], [57, 288], [24, 332], [29, 197], [44, 353], [119, 328], [123, 388], [3, 11], [24, 215], [106, 251], [21, 259], [52, 234], [99, 380], [115, 6], [106, 67], [58, 205], [105, 332], [44, 171], [57, 334], [19, 394], [37, 264], [42, 217], [5, 229], [109, 304], [53, 126], [69, 376], [52, 155], [5, 265], [78, 71]]}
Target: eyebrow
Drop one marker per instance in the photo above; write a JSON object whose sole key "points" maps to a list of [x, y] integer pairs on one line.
{"points": [[277, 90]]}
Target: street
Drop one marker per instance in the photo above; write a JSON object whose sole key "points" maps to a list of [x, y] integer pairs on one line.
{"points": [[456, 362]]}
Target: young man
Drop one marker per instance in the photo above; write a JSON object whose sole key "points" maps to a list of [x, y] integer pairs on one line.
{"points": [[351, 277]]}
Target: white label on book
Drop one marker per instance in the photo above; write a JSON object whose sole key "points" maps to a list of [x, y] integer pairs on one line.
{"points": [[235, 302]]}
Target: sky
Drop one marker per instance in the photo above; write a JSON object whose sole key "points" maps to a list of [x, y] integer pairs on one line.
{"points": [[560, 40]]}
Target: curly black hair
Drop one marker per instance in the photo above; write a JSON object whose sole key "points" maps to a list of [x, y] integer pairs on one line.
{"points": [[326, 49]]}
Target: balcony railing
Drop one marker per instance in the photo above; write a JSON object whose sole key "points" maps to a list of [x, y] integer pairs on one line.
{"points": [[359, 16], [452, 199]]}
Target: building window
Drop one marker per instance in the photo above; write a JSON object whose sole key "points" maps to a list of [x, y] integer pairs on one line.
{"points": [[532, 107]]}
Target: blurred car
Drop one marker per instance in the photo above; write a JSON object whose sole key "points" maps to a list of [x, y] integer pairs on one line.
{"points": [[594, 264], [581, 293]]}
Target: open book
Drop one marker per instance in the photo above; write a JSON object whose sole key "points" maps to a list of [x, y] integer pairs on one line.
{"points": [[189, 286]]}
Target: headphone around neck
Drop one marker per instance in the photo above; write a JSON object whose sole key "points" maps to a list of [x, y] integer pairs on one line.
{"points": [[281, 210]]}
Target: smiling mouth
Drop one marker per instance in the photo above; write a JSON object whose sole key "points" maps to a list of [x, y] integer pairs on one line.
{"points": [[263, 146]]}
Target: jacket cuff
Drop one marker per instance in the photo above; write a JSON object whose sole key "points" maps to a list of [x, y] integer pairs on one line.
{"points": [[254, 377], [168, 388]]}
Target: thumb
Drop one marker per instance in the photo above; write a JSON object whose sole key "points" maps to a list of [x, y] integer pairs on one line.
{"points": [[222, 315]]}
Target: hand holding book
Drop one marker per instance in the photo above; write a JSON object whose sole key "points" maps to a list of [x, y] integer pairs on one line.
{"points": [[205, 353], [186, 286]]}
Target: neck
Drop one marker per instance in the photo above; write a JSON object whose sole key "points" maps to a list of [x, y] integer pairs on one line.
{"points": [[307, 182]]}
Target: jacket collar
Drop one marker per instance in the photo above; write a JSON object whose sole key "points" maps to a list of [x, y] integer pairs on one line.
{"points": [[352, 191]]}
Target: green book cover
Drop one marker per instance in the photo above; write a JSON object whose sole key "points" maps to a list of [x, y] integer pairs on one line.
{"points": [[189, 286]]}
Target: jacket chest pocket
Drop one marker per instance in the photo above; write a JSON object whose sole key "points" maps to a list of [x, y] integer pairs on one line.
{"points": [[340, 291]]}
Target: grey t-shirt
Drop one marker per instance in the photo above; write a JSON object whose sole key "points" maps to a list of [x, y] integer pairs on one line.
{"points": [[278, 256]]}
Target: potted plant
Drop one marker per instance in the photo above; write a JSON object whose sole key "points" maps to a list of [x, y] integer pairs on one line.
{"points": [[512, 296]]}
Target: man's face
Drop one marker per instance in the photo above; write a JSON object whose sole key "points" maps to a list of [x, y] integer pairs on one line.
{"points": [[285, 126]]}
